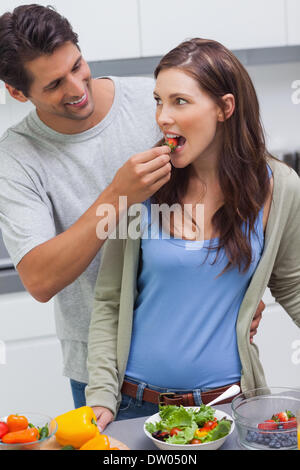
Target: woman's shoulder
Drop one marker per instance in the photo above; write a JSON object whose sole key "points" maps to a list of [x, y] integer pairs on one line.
{"points": [[284, 176]]}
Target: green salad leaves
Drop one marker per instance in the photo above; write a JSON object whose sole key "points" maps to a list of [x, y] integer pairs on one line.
{"points": [[187, 420]]}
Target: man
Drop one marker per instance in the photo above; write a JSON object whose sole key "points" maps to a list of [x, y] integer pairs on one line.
{"points": [[82, 146]]}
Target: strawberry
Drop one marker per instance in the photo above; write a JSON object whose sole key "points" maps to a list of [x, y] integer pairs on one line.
{"points": [[280, 417], [291, 423], [268, 425], [172, 143]]}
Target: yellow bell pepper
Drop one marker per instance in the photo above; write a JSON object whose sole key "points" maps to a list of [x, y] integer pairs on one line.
{"points": [[199, 433], [76, 427], [99, 442]]}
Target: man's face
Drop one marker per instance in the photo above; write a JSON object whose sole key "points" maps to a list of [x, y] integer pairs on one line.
{"points": [[61, 86]]}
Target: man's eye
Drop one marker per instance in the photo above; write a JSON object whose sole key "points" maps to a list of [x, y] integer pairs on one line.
{"points": [[55, 85], [77, 67]]}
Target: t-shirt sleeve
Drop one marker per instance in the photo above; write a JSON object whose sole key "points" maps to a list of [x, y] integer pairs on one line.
{"points": [[26, 217]]}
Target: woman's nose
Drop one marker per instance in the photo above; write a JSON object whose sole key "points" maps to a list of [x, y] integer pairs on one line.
{"points": [[164, 117]]}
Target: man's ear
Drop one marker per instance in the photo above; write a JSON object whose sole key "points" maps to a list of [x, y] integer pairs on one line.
{"points": [[229, 107], [16, 94]]}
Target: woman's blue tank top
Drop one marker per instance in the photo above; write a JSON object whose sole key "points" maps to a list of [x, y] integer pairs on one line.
{"points": [[184, 334]]}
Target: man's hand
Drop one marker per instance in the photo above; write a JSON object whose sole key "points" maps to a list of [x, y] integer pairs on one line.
{"points": [[104, 417], [256, 320], [143, 174]]}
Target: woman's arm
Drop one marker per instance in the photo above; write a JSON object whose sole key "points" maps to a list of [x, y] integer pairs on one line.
{"points": [[103, 386], [284, 282]]}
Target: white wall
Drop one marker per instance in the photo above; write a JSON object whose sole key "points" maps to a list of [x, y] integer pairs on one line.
{"points": [[278, 340], [280, 115]]}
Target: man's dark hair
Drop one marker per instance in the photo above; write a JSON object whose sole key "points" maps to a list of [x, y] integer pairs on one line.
{"points": [[25, 34]]}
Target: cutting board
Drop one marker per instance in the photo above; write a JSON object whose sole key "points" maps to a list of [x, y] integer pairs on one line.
{"points": [[52, 444]]}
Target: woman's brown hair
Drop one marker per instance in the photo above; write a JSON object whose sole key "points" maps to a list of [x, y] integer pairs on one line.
{"points": [[242, 166]]}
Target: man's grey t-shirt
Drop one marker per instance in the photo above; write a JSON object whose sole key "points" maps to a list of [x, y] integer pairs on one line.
{"points": [[48, 180]]}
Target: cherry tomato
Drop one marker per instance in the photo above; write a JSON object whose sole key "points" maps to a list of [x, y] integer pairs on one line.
{"points": [[196, 441], [209, 425], [174, 431]]}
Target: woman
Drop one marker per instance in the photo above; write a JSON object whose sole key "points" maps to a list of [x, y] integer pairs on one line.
{"points": [[170, 319]]}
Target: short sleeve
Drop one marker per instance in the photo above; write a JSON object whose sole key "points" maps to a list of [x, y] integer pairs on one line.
{"points": [[26, 217]]}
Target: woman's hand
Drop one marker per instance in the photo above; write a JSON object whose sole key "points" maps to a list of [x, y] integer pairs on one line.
{"points": [[104, 417], [256, 320]]}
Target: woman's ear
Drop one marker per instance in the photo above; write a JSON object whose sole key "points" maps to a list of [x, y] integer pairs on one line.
{"points": [[229, 107]]}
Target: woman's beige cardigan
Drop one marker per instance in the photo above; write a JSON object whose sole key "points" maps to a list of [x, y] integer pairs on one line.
{"points": [[115, 293]]}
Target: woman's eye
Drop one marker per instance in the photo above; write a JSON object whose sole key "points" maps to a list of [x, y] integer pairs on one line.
{"points": [[181, 101], [158, 101]]}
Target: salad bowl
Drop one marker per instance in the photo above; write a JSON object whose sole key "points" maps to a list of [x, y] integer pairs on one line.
{"points": [[210, 445]]}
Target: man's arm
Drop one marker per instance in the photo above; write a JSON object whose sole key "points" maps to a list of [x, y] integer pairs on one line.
{"points": [[51, 266]]}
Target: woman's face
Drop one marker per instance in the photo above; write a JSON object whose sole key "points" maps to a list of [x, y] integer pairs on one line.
{"points": [[183, 109]]}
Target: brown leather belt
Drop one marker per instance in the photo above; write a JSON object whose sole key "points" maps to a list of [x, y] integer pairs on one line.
{"points": [[169, 398]]}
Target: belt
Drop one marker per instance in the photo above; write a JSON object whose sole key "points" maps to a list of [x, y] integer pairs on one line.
{"points": [[170, 398]]}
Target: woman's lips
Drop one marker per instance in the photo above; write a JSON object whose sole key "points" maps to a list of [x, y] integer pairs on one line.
{"points": [[179, 148], [175, 142]]}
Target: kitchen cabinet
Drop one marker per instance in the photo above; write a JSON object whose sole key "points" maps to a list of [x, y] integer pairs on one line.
{"points": [[107, 30], [30, 358], [237, 24], [293, 21]]}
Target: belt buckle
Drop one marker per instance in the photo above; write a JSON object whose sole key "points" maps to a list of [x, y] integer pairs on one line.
{"points": [[165, 394]]}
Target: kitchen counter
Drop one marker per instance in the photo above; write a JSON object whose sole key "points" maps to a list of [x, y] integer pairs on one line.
{"points": [[130, 431]]}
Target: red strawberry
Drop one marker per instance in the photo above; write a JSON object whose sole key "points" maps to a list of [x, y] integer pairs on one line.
{"points": [[291, 423], [282, 417], [268, 425], [172, 143]]}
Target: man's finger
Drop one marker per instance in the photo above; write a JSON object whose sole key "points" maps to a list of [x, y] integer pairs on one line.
{"points": [[104, 420], [255, 323], [260, 308], [149, 155]]}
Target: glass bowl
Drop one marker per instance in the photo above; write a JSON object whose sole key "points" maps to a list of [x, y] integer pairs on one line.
{"points": [[39, 420], [252, 408]]}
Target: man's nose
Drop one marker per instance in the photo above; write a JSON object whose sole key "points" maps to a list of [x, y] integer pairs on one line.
{"points": [[75, 87]]}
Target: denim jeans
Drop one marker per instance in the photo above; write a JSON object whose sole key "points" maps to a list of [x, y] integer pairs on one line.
{"points": [[78, 389]]}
